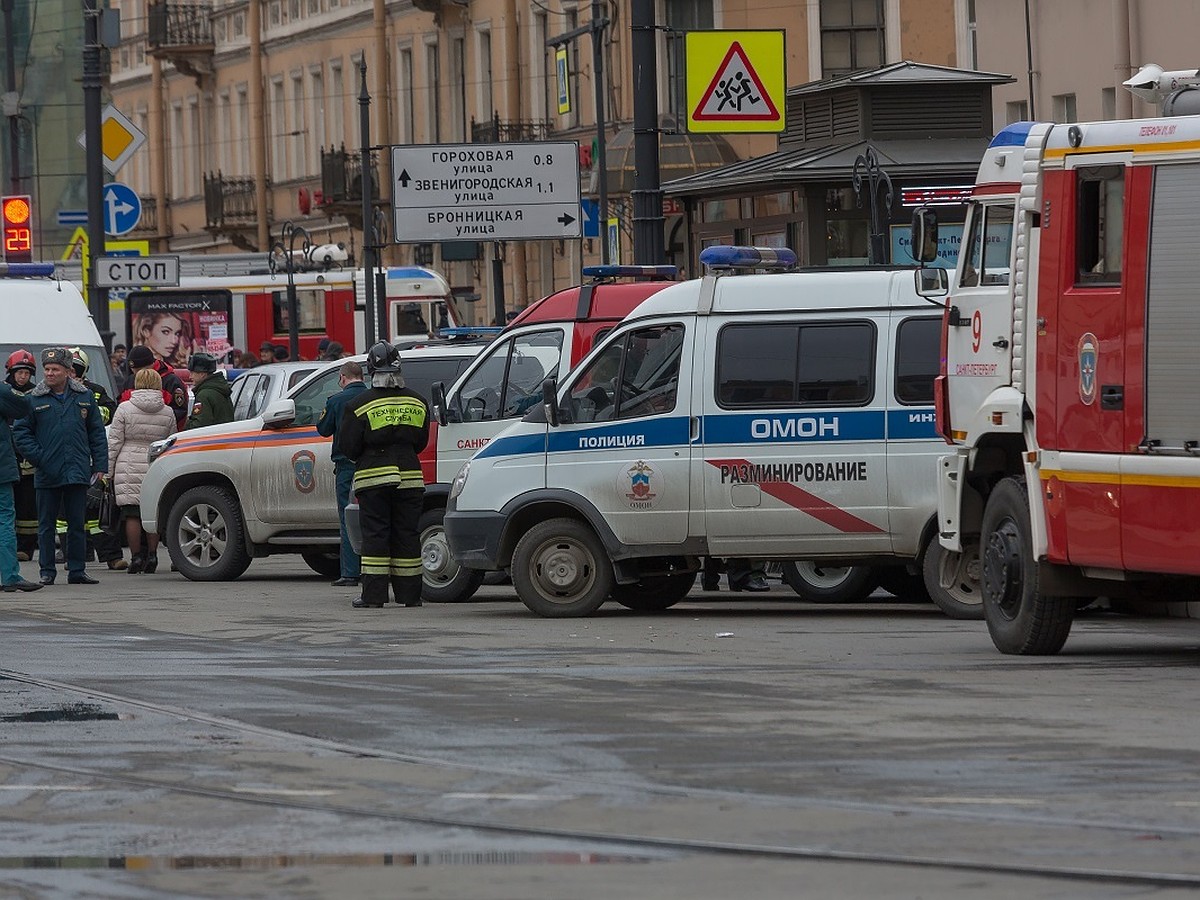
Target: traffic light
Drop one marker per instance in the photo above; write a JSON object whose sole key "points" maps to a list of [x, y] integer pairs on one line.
{"points": [[17, 215]]}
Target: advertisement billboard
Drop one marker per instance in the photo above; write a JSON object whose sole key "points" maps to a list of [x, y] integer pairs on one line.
{"points": [[176, 324]]}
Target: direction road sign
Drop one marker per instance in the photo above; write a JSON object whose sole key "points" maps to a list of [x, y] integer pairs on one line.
{"points": [[122, 208], [489, 192], [139, 271]]}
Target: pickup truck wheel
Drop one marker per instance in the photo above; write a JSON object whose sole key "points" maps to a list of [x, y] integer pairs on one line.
{"points": [[324, 562], [561, 569], [444, 580], [963, 598], [818, 583], [654, 592], [1020, 618], [206, 536]]}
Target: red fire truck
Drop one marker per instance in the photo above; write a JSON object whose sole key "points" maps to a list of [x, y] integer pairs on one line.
{"points": [[1069, 387]]}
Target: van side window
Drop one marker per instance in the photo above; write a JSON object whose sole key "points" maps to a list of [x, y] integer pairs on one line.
{"points": [[634, 376], [989, 243], [509, 381], [918, 360], [796, 365], [1100, 220]]}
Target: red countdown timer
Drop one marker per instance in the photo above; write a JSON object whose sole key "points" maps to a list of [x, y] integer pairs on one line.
{"points": [[18, 232]]}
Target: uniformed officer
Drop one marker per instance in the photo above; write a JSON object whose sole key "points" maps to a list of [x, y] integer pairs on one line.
{"points": [[211, 404], [382, 430]]}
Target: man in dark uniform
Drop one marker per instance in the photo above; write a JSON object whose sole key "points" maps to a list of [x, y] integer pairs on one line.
{"points": [[383, 430], [63, 436], [351, 381], [21, 368]]}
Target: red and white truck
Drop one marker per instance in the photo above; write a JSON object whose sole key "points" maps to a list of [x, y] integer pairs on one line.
{"points": [[1070, 388]]}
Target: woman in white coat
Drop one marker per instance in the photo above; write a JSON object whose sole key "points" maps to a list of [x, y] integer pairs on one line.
{"points": [[139, 421]]}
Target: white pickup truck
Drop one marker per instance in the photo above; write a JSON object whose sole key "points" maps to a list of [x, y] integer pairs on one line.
{"points": [[224, 495]]}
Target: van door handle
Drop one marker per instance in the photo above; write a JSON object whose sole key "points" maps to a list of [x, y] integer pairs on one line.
{"points": [[695, 429], [1112, 396]]}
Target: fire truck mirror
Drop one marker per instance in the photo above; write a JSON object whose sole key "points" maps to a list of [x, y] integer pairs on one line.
{"points": [[932, 282], [924, 235]]}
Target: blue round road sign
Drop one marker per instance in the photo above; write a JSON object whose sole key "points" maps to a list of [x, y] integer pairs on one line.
{"points": [[122, 208]]}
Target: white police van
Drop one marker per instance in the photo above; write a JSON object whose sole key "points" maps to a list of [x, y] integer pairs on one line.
{"points": [[777, 416]]}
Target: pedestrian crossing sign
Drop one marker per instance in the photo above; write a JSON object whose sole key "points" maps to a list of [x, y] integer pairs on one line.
{"points": [[736, 81]]}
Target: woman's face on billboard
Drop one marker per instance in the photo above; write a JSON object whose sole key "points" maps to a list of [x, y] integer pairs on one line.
{"points": [[164, 335]]}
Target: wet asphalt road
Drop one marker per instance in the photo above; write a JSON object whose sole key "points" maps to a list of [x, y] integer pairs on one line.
{"points": [[163, 738]]}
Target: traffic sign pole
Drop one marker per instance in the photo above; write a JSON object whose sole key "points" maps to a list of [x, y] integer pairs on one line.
{"points": [[92, 83]]}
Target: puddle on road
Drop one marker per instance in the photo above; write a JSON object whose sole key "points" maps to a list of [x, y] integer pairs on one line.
{"points": [[355, 860], [73, 712]]}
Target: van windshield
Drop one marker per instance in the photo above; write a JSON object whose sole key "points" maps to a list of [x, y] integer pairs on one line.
{"points": [[98, 371]]}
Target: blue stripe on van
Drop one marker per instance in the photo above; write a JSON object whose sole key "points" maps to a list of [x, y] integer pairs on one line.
{"points": [[799, 427], [912, 422]]}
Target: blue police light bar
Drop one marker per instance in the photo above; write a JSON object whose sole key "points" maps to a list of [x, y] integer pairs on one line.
{"points": [[722, 257], [653, 272], [26, 270], [465, 331]]}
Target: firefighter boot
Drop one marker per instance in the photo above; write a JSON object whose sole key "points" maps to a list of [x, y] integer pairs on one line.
{"points": [[407, 589], [374, 592]]}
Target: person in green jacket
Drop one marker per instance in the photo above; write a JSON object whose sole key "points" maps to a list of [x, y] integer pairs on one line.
{"points": [[210, 404]]}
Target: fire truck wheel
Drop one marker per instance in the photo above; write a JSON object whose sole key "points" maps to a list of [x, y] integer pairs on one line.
{"points": [[962, 599], [444, 580], [205, 535], [654, 592], [324, 562], [561, 569], [1020, 619], [819, 583], [903, 584]]}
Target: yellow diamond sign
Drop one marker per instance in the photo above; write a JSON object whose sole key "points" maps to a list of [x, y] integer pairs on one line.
{"points": [[119, 139]]}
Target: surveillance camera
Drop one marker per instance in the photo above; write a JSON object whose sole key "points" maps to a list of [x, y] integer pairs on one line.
{"points": [[329, 254], [1153, 84]]}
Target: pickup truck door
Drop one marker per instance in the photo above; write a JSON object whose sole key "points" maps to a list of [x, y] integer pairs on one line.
{"points": [[291, 475]]}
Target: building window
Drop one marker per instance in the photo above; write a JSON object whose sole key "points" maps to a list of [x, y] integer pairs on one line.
{"points": [[278, 130], [458, 89], [297, 133], [433, 106], [177, 149], [316, 82], [545, 79], [404, 95], [852, 36], [1064, 108], [682, 16], [1108, 103], [484, 78], [972, 35], [195, 152], [338, 99], [242, 166], [1016, 111], [225, 133], [571, 119]]}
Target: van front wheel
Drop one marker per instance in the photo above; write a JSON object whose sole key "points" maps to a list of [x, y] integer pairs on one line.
{"points": [[561, 569]]}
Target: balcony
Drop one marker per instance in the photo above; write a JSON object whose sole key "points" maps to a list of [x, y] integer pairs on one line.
{"points": [[180, 33], [341, 184], [495, 130], [148, 223], [229, 209]]}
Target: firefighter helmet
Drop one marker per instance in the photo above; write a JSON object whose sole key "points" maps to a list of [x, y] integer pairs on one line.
{"points": [[21, 359], [383, 357], [79, 361]]}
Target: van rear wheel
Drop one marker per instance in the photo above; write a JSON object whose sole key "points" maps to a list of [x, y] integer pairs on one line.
{"points": [[952, 579], [654, 592], [818, 583], [443, 578], [561, 569]]}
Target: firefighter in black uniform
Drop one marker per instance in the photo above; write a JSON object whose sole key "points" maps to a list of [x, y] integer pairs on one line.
{"points": [[21, 368], [382, 431]]}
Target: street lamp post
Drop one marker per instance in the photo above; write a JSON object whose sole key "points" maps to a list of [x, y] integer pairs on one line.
{"points": [[867, 168], [285, 247]]}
